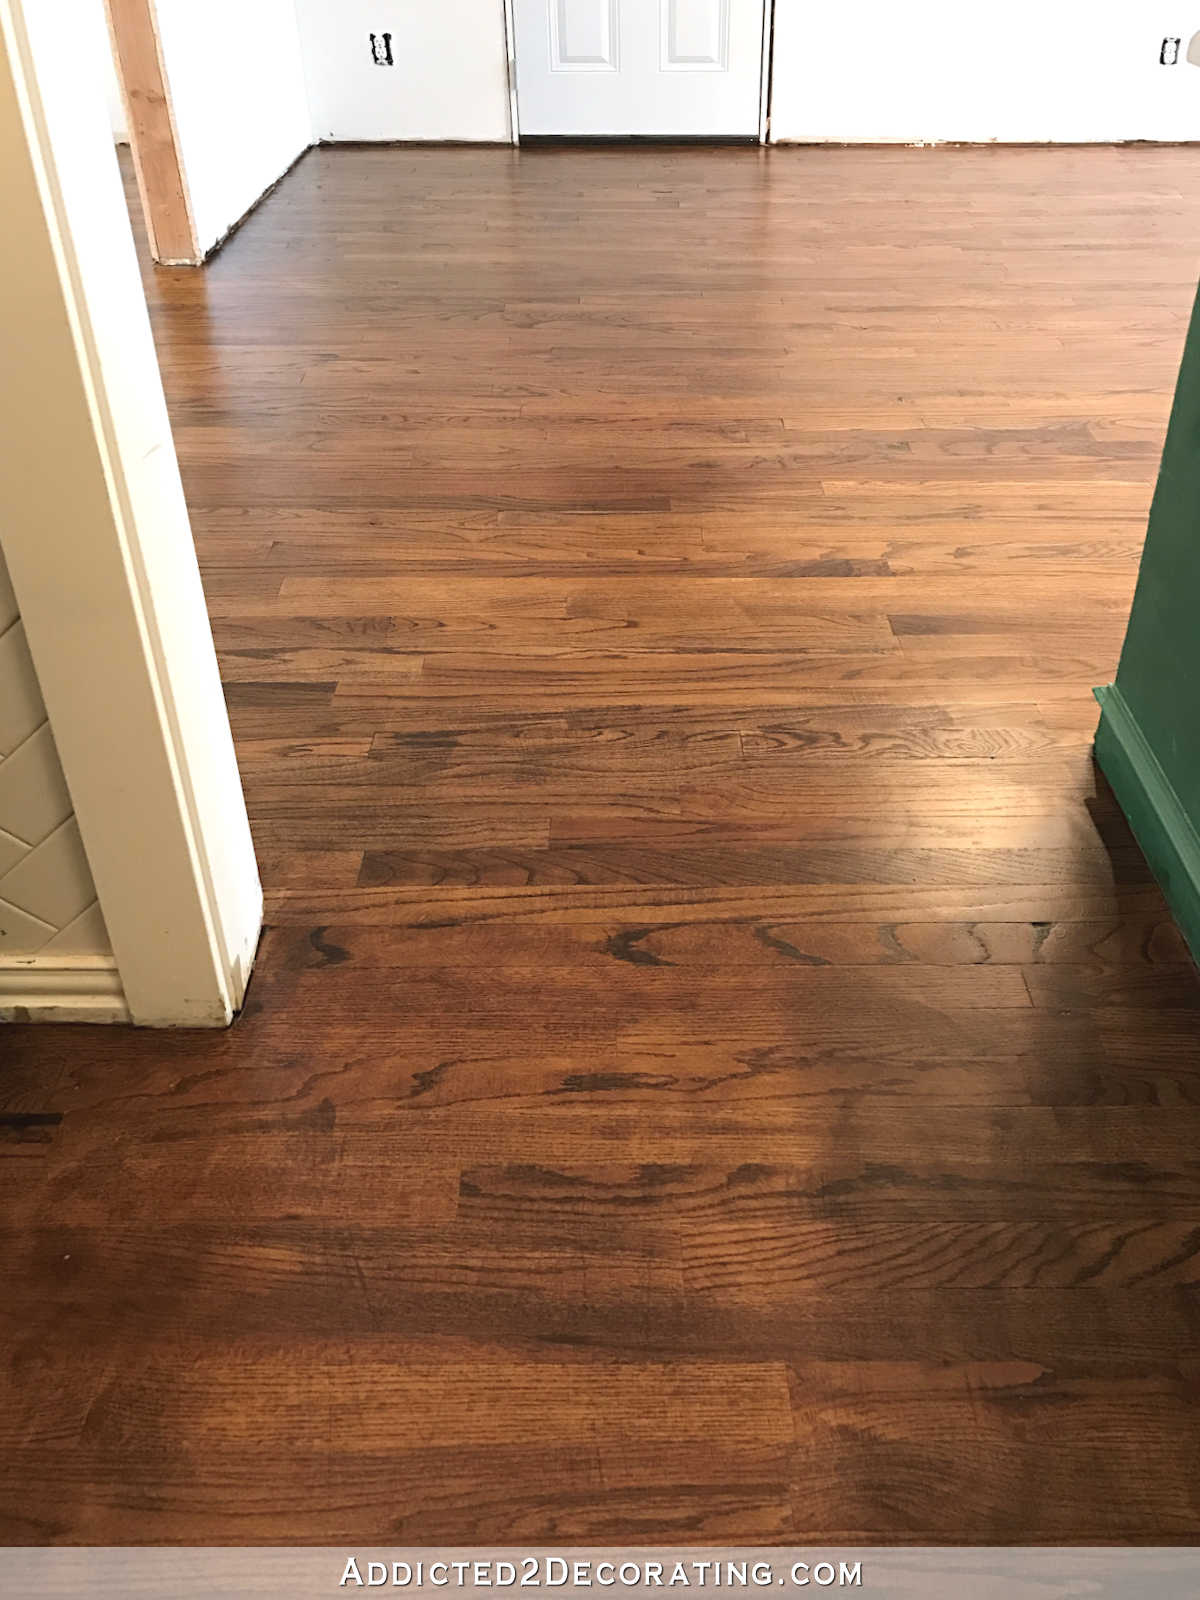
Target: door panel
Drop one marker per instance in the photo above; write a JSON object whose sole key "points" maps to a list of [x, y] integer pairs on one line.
{"points": [[606, 68], [695, 35], [583, 35]]}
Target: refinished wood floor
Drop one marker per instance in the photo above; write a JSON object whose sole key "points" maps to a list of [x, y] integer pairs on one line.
{"points": [[718, 1068]]}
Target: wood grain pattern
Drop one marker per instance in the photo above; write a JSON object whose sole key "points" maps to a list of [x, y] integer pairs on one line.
{"points": [[718, 1066]]}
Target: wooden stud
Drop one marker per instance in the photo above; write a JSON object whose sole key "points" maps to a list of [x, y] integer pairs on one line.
{"points": [[153, 138]]}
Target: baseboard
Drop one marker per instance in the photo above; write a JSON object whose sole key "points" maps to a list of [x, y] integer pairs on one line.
{"points": [[1160, 824], [61, 989], [413, 144]]}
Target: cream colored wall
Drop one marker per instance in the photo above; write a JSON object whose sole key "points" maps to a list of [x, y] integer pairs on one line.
{"points": [[97, 545], [47, 897]]}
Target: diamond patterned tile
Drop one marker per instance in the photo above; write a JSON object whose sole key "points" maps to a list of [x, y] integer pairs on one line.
{"points": [[33, 791], [46, 889], [21, 708], [11, 851], [21, 934], [53, 882], [8, 600], [86, 936]]}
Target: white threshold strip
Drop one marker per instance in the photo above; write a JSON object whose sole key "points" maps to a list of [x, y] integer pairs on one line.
{"points": [[48, 988]]}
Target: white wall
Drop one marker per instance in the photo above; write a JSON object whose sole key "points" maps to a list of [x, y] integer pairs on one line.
{"points": [[236, 82], [450, 80], [1031, 70], [96, 39], [1026, 70]]}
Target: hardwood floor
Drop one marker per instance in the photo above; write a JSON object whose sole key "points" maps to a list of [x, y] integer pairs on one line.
{"points": [[718, 1068]]}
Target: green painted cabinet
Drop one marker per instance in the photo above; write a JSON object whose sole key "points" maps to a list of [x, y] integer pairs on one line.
{"points": [[1148, 741]]}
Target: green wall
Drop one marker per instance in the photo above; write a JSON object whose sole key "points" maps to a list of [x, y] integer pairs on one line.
{"points": [[1148, 742]]}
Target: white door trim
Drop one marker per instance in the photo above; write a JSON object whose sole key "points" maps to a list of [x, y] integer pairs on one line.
{"points": [[764, 94], [510, 41], [98, 545]]}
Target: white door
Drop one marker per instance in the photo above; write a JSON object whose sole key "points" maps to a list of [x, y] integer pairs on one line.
{"points": [[616, 67]]}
